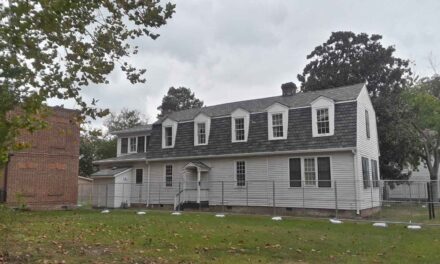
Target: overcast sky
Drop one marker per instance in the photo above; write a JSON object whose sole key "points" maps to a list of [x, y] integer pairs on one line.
{"points": [[235, 49]]}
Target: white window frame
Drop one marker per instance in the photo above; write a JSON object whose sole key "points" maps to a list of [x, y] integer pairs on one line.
{"points": [[238, 114], [235, 173], [173, 124], [201, 135], [199, 119], [130, 144], [165, 175], [303, 173], [321, 103], [318, 110], [281, 125], [303, 180], [274, 109], [236, 129]]}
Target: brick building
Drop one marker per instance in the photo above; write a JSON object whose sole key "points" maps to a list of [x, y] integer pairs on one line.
{"points": [[45, 175]]}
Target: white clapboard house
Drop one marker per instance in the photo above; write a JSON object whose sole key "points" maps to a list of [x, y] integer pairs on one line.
{"points": [[315, 150]]}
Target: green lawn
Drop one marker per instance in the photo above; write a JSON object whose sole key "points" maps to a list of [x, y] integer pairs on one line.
{"points": [[86, 236]]}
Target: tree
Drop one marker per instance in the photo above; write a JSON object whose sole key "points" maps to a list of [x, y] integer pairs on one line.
{"points": [[424, 105], [178, 99], [95, 146], [125, 119], [52, 49], [348, 58]]}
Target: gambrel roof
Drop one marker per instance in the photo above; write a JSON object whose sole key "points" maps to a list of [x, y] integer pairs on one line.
{"points": [[345, 93]]}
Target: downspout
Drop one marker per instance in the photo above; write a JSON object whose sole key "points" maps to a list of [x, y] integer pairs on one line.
{"points": [[355, 181], [148, 190]]}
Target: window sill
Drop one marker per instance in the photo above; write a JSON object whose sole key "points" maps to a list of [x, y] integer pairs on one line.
{"points": [[239, 141], [167, 147], [240, 187], [283, 138], [323, 135]]}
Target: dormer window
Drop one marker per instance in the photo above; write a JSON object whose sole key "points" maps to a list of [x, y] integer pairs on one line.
{"points": [[323, 117], [322, 121], [201, 133], [168, 136], [239, 129], [277, 121], [277, 125], [169, 131], [240, 125], [202, 126]]}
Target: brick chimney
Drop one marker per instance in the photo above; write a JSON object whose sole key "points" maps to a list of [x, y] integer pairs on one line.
{"points": [[289, 88]]}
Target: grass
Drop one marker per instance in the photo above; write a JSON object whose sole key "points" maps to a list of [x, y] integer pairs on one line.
{"points": [[415, 212], [86, 236]]}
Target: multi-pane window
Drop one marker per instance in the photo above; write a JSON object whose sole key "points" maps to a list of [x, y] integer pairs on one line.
{"points": [[133, 144], [239, 129], [367, 123], [139, 176], [322, 121], [141, 144], [309, 172], [374, 173], [315, 170], [277, 125], [168, 175], [201, 133], [240, 172], [124, 145], [365, 172], [168, 136]]}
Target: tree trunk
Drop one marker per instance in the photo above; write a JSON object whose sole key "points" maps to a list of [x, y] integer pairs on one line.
{"points": [[434, 187]]}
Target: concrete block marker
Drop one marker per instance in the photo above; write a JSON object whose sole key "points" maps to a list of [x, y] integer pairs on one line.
{"points": [[335, 221], [220, 215], [141, 213], [277, 218], [380, 225], [105, 211], [176, 213], [414, 227]]}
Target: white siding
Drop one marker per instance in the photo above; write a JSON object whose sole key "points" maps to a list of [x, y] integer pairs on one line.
{"points": [[103, 192], [368, 148], [261, 172]]}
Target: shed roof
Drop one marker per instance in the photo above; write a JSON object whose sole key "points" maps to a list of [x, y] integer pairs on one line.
{"points": [[109, 172]]}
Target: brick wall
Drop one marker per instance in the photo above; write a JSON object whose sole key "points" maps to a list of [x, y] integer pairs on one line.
{"points": [[46, 173]]}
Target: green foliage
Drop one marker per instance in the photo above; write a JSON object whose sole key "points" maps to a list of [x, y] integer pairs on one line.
{"points": [[347, 58], [178, 99], [52, 49], [94, 146], [125, 119], [424, 115]]}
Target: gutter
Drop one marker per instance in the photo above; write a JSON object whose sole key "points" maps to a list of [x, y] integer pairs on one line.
{"points": [[118, 161], [273, 153]]}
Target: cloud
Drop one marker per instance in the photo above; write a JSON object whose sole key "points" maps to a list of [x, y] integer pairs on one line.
{"points": [[234, 50]]}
